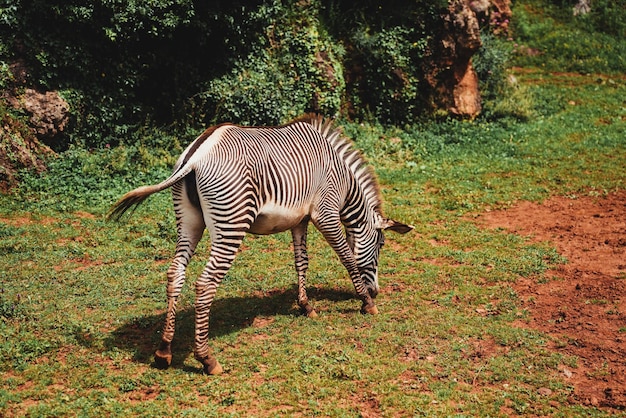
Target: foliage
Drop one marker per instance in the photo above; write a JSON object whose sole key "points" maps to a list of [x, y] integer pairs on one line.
{"points": [[291, 69], [389, 88], [502, 95], [385, 45], [97, 177], [491, 64], [19, 148], [608, 16], [123, 65], [128, 65], [111, 59]]}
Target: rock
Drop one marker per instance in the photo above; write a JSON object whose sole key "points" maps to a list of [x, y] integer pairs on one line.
{"points": [[582, 7], [479, 6], [19, 149], [49, 113], [466, 94], [544, 392], [448, 68], [23, 140]]}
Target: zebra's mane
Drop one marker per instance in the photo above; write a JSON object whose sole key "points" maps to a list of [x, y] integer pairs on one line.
{"points": [[353, 158]]}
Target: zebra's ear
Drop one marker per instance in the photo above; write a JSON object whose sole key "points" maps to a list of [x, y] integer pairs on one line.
{"points": [[395, 226]]}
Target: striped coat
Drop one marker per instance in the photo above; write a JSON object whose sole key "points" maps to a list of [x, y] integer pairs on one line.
{"points": [[235, 180]]}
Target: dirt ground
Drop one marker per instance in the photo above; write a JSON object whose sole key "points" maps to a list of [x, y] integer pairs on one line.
{"points": [[582, 304]]}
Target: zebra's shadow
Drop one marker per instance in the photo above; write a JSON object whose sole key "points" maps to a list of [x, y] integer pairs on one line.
{"points": [[141, 336]]}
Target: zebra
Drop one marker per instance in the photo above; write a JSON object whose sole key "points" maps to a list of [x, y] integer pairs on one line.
{"points": [[232, 180]]}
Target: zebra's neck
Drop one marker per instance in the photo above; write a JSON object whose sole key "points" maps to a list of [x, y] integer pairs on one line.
{"points": [[355, 161]]}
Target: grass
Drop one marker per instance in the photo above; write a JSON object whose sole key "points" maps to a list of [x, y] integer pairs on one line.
{"points": [[548, 35], [82, 301]]}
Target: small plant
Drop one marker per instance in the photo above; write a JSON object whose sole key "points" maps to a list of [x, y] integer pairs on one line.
{"points": [[502, 95], [11, 309], [389, 89]]}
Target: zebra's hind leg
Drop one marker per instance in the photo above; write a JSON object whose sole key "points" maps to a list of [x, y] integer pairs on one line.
{"points": [[190, 228], [223, 251], [298, 234]]}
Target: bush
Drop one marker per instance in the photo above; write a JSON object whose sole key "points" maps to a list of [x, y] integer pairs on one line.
{"points": [[96, 178], [502, 95], [119, 63], [386, 42], [291, 68], [124, 64], [389, 88]]}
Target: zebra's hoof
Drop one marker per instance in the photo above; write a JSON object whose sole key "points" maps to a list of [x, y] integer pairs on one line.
{"points": [[162, 360], [213, 367], [309, 311], [369, 309], [210, 365]]}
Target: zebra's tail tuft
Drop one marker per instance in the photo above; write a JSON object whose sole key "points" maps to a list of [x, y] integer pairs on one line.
{"points": [[135, 197], [130, 200]]}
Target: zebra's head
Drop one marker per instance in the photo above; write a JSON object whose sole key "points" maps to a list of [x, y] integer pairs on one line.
{"points": [[366, 242]]}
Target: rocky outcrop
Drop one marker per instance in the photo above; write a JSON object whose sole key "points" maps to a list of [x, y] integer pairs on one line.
{"points": [[448, 70], [36, 119], [48, 113], [19, 149]]}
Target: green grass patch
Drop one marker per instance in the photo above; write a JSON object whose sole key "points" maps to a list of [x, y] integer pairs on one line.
{"points": [[82, 301], [550, 36]]}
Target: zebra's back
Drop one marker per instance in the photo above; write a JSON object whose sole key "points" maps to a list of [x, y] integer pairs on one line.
{"points": [[287, 171]]}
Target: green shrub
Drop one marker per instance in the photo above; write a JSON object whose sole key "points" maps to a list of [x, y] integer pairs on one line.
{"points": [[119, 63], [389, 89], [502, 95], [124, 64], [491, 64], [386, 43], [606, 16], [98, 177], [291, 68]]}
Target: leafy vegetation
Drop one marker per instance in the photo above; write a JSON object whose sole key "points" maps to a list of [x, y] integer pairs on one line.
{"points": [[125, 66], [292, 69], [176, 63]]}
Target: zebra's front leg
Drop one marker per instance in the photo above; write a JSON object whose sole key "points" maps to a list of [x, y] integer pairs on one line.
{"points": [[333, 233], [298, 235], [222, 256]]}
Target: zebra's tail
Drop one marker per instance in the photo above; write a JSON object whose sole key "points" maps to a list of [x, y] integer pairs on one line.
{"points": [[135, 197]]}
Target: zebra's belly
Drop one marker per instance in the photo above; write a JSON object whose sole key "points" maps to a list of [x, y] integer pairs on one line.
{"points": [[273, 219]]}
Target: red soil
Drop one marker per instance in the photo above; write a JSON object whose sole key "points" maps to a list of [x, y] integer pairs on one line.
{"points": [[582, 304]]}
